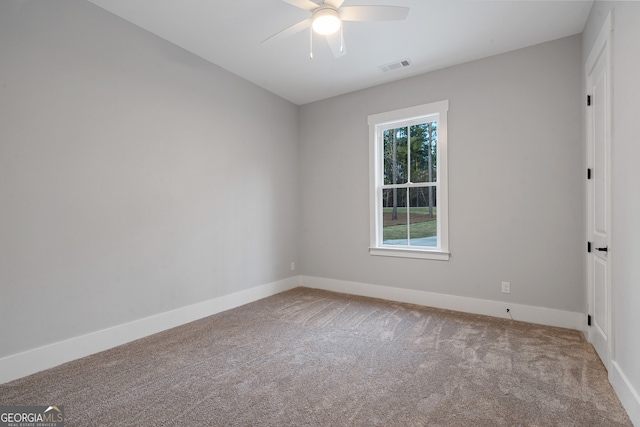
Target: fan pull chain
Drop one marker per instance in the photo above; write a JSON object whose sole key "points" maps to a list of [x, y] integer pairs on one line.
{"points": [[341, 39], [310, 43]]}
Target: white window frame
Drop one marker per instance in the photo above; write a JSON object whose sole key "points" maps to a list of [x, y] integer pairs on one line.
{"points": [[403, 117]]}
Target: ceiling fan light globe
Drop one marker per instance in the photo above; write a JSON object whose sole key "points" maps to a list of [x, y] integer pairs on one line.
{"points": [[326, 21]]}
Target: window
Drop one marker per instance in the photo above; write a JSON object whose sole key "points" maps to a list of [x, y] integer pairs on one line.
{"points": [[408, 179]]}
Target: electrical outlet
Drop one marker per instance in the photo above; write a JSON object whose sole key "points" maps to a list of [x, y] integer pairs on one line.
{"points": [[506, 287], [293, 266]]}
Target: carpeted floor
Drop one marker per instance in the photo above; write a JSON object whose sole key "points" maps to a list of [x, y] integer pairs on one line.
{"points": [[310, 357]]}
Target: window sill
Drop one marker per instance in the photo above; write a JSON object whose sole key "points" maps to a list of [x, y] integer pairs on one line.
{"points": [[410, 253]]}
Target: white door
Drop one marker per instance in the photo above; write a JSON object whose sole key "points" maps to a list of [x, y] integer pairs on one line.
{"points": [[598, 76]]}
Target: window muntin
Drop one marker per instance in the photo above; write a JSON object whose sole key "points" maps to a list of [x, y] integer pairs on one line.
{"points": [[408, 182]]}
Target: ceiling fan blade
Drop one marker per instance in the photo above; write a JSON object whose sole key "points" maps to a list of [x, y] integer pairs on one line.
{"points": [[336, 43], [373, 13], [289, 31], [303, 4], [334, 3]]}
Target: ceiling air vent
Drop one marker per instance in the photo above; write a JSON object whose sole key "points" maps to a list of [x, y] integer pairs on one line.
{"points": [[395, 65]]}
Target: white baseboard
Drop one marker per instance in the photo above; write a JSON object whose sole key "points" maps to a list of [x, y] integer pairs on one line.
{"points": [[38, 359], [626, 393], [526, 313]]}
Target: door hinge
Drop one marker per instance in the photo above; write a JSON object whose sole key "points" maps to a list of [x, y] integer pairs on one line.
{"points": [[588, 100], [588, 320], [588, 173], [589, 247]]}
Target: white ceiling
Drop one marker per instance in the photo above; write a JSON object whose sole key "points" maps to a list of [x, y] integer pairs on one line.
{"points": [[435, 35]]}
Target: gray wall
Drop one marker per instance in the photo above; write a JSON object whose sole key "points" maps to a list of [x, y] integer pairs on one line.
{"points": [[135, 178], [625, 152], [515, 170]]}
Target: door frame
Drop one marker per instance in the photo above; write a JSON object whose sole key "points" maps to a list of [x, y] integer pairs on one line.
{"points": [[601, 45]]}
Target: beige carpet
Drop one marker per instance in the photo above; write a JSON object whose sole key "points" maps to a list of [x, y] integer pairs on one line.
{"points": [[309, 357]]}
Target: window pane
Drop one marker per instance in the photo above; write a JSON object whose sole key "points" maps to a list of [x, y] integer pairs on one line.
{"points": [[423, 217], [394, 216], [395, 156], [423, 152]]}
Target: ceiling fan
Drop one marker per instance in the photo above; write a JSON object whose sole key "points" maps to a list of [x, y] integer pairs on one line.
{"points": [[327, 17]]}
